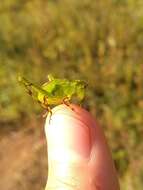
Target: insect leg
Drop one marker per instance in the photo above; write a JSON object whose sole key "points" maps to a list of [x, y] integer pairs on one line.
{"points": [[66, 101], [45, 101], [48, 110], [29, 91], [46, 105]]}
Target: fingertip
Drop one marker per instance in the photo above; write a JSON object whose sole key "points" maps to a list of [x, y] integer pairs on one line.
{"points": [[74, 135], [66, 132]]}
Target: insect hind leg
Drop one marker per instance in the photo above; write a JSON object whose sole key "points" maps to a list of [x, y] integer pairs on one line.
{"points": [[29, 91]]}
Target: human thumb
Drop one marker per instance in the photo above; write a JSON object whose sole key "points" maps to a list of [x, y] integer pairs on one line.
{"points": [[78, 155]]}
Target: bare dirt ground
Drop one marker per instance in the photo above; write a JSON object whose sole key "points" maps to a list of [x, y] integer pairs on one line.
{"points": [[23, 159]]}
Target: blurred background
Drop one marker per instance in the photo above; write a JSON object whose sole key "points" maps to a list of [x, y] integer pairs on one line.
{"points": [[100, 42]]}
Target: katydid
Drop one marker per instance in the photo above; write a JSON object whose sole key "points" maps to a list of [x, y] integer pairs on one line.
{"points": [[56, 91]]}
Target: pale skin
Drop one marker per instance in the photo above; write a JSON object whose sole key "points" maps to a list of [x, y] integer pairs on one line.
{"points": [[78, 155]]}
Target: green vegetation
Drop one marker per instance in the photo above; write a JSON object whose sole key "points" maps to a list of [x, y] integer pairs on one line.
{"points": [[98, 41]]}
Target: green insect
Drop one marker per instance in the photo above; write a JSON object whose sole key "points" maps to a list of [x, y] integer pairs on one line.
{"points": [[55, 91]]}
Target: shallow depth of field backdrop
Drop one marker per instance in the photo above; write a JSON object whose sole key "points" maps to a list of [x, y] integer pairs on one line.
{"points": [[98, 41]]}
